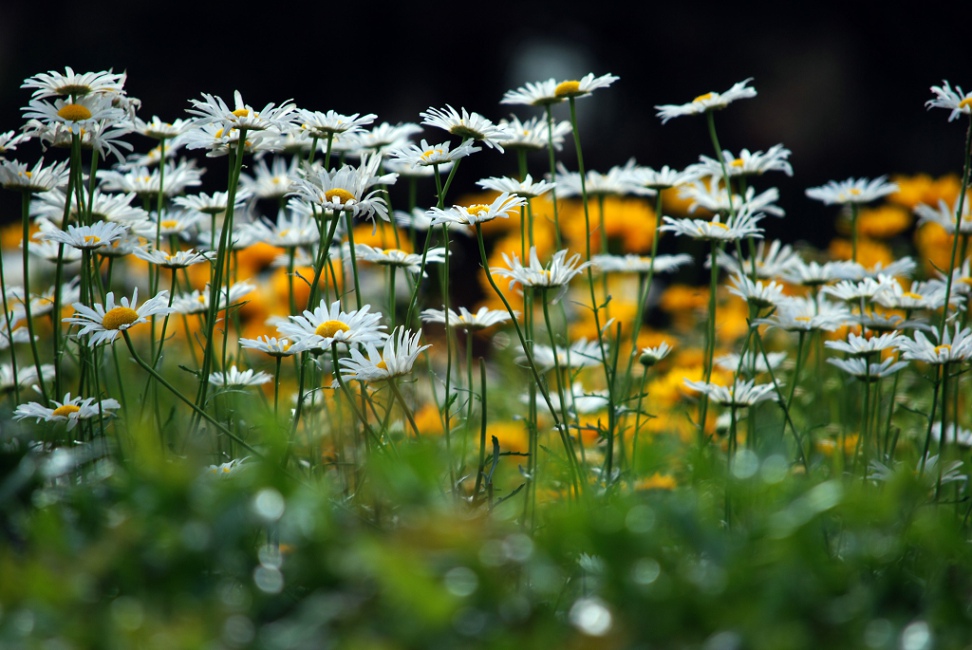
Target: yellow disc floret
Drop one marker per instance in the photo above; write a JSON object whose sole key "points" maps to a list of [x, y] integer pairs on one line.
{"points": [[66, 410], [567, 88], [119, 316], [74, 113], [170, 223], [242, 112], [338, 195], [329, 328], [939, 349], [965, 103], [702, 98]]}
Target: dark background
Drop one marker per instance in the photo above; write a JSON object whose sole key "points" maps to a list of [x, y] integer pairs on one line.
{"points": [[842, 86]]}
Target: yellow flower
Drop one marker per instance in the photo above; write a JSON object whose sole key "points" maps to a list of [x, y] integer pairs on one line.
{"points": [[656, 481]]}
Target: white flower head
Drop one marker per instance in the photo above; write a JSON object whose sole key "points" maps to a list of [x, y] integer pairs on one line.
{"points": [[471, 215], [72, 84], [957, 100], [467, 126], [707, 102], [71, 410], [425, 154], [16, 176], [869, 372], [556, 274], [233, 377], [98, 234], [466, 320], [319, 329], [104, 322], [944, 346], [526, 188], [741, 394], [852, 190], [396, 358], [269, 345], [412, 262], [212, 109], [551, 91]]}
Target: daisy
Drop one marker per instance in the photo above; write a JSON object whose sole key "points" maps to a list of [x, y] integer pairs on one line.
{"points": [[221, 141], [103, 136], [321, 328], [467, 126], [920, 295], [14, 335], [425, 154], [851, 291], [10, 140], [269, 345], [862, 346], [901, 267], [422, 220], [215, 203], [159, 130], [852, 191], [176, 223], [957, 100], [806, 315], [227, 468], [144, 182], [534, 134], [707, 102], [75, 116], [579, 400], [234, 378], [409, 170], [270, 182], [396, 358], [640, 263], [557, 274], [292, 229], [55, 84], [651, 355], [661, 179], [71, 410], [953, 433], [952, 347], [748, 163], [212, 109], [25, 376], [105, 322], [944, 216], [757, 294], [526, 188], [813, 274], [551, 91], [325, 125], [737, 227], [16, 176], [90, 237], [750, 362], [616, 182], [581, 354], [411, 262], [176, 260], [773, 259], [709, 196], [43, 304], [346, 190], [106, 207], [741, 394], [471, 215], [387, 136], [465, 320], [868, 372]]}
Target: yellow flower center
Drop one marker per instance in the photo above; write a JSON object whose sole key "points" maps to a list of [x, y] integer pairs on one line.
{"points": [[738, 162], [381, 364], [242, 112], [91, 239], [912, 295], [431, 153], [169, 223], [478, 210], [66, 410], [338, 195], [74, 113], [719, 224], [965, 103], [28, 173], [567, 88], [854, 191], [329, 328], [942, 348], [803, 319], [702, 98], [119, 316]]}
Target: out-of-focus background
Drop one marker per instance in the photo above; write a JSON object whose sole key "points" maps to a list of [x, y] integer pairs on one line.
{"points": [[842, 86]]}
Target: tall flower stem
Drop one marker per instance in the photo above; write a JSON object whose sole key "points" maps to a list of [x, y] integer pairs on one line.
{"points": [[958, 224], [25, 218], [710, 341]]}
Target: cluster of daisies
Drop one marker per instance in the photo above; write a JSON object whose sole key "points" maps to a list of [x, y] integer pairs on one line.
{"points": [[83, 224]]}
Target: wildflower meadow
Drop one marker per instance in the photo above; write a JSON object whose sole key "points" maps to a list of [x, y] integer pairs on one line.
{"points": [[355, 397]]}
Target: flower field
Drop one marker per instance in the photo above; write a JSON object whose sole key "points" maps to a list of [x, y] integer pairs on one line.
{"points": [[275, 377]]}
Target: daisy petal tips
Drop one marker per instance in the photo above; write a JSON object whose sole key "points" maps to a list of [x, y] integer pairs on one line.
{"points": [[707, 102]]}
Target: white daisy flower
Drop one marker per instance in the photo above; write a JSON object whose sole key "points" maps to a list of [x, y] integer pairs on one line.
{"points": [[952, 347], [813, 274], [71, 410], [750, 362], [16, 334], [640, 263], [159, 130], [851, 291], [291, 230], [346, 190], [221, 141], [748, 163], [944, 216], [551, 91], [396, 358], [55, 84], [757, 294], [387, 136], [853, 190], [471, 215], [234, 378], [80, 114], [144, 182], [212, 109], [411, 262], [707, 102], [228, 468], [422, 220], [862, 346], [616, 182], [26, 377], [89, 238], [740, 226], [16, 176], [466, 320], [741, 394], [176, 223], [557, 274], [105, 207], [534, 134], [10, 140], [580, 354], [860, 368], [409, 170], [713, 198], [526, 188], [579, 400], [806, 315], [215, 203], [176, 260], [957, 100], [53, 252], [270, 182], [661, 179], [954, 434], [323, 125], [269, 345], [920, 295], [104, 323], [467, 126], [653, 354], [773, 260], [319, 329], [425, 154]]}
